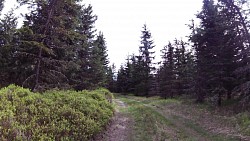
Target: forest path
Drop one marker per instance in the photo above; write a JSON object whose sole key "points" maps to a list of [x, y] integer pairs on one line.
{"points": [[155, 119], [120, 125], [212, 125]]}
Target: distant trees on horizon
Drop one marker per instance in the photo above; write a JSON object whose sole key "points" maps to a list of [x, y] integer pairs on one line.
{"points": [[216, 68]]}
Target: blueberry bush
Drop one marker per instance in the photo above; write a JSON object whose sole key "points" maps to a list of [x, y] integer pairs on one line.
{"points": [[53, 115]]}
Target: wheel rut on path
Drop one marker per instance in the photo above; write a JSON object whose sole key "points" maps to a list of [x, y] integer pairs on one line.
{"points": [[119, 127]]}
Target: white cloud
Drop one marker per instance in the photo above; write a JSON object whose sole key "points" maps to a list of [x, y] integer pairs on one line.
{"points": [[9, 4]]}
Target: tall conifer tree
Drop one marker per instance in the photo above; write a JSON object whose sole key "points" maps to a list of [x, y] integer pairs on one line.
{"points": [[145, 59], [99, 62], [8, 69], [55, 22], [215, 42], [166, 75]]}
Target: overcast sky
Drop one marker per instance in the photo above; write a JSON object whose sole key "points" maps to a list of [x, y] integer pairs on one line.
{"points": [[121, 22]]}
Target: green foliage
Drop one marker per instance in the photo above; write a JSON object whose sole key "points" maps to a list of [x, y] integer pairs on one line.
{"points": [[53, 115], [217, 45], [244, 122], [98, 62], [111, 82], [166, 72], [105, 92], [56, 47], [136, 75], [8, 24]]}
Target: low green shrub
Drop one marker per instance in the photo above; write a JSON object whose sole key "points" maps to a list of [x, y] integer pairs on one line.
{"points": [[108, 95], [53, 115], [244, 122]]}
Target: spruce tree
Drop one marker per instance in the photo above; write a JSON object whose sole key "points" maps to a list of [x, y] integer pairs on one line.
{"points": [[87, 31], [53, 24], [203, 44], [122, 80], [88, 20], [189, 73], [166, 73], [215, 46], [111, 78], [235, 10], [56, 47], [128, 76], [179, 65], [175, 76], [8, 67], [99, 62], [145, 63], [136, 76]]}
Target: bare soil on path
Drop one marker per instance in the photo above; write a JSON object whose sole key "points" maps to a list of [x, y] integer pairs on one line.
{"points": [[119, 127]]}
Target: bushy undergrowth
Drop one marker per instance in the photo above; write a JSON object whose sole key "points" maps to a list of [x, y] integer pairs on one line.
{"points": [[53, 115], [244, 122]]}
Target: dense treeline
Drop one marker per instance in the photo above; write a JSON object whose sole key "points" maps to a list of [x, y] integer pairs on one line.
{"points": [[56, 47], [213, 65], [136, 75]]}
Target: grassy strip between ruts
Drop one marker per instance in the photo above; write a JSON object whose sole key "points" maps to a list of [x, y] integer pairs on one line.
{"points": [[53, 115], [148, 124], [152, 124]]}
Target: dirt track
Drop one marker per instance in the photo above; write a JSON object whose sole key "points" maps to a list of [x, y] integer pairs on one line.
{"points": [[120, 125]]}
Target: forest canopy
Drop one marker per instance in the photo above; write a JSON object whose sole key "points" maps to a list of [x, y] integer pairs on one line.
{"points": [[56, 47]]}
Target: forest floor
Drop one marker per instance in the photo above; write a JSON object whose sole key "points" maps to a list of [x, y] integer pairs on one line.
{"points": [[155, 119]]}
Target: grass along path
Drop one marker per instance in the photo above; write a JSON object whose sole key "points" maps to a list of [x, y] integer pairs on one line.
{"points": [[156, 119], [148, 124]]}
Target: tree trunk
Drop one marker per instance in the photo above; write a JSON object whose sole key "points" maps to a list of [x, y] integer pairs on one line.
{"points": [[38, 71], [219, 99], [229, 94], [200, 97]]}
